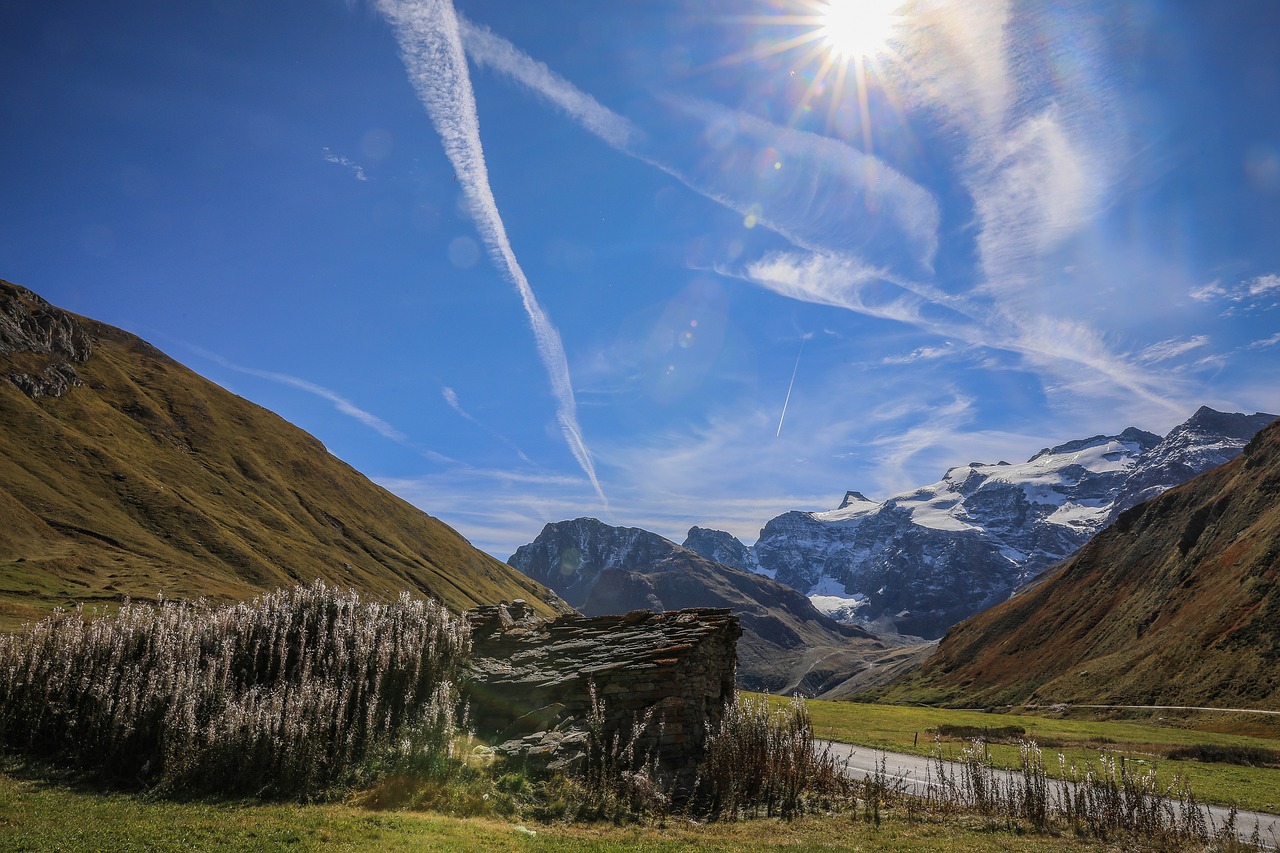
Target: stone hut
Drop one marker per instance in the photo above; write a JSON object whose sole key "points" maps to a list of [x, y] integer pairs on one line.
{"points": [[532, 681]]}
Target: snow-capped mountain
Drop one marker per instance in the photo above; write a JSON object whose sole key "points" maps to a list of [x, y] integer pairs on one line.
{"points": [[928, 558]]}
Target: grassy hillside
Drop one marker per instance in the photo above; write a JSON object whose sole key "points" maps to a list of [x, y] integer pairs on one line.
{"points": [[1177, 603], [142, 477]]}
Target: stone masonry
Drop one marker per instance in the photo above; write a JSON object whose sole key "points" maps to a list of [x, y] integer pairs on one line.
{"points": [[532, 681]]}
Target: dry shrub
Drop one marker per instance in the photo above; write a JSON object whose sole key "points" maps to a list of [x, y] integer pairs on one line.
{"points": [[763, 760], [619, 779], [1245, 756]]}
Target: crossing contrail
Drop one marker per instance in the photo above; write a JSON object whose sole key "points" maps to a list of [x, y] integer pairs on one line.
{"points": [[431, 48]]}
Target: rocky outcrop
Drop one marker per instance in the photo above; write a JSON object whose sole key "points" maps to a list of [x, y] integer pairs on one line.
{"points": [[539, 687], [40, 343]]}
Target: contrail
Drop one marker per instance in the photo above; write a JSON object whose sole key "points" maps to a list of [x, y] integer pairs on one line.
{"points": [[486, 48], [342, 404], [431, 49], [791, 384], [451, 398]]}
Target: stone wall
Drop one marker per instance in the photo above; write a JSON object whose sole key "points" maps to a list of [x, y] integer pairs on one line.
{"points": [[532, 683]]}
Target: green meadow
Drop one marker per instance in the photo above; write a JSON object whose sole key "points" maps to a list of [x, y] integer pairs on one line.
{"points": [[39, 815], [1081, 737]]}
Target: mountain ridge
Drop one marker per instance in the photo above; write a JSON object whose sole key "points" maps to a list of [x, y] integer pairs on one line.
{"points": [[125, 473], [787, 645], [1177, 602], [926, 558]]}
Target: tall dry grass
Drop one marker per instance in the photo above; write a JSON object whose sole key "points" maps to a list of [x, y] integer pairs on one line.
{"points": [[760, 761], [1107, 799], [764, 761], [298, 691]]}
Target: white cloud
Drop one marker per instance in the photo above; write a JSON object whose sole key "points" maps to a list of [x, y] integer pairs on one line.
{"points": [[1266, 343], [1209, 292], [1071, 351], [921, 354], [1251, 294], [845, 281], [1089, 368], [1264, 285], [1036, 192], [431, 48], [1172, 348], [337, 159], [827, 279]]}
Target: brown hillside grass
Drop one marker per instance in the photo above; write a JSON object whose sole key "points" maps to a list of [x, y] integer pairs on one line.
{"points": [[150, 479]]}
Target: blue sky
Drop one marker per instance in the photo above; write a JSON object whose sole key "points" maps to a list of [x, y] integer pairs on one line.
{"points": [[662, 263]]}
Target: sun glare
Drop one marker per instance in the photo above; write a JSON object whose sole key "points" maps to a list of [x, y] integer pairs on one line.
{"points": [[842, 48], [854, 29]]}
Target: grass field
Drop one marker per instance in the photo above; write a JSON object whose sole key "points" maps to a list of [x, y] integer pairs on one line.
{"points": [[39, 816], [901, 728]]}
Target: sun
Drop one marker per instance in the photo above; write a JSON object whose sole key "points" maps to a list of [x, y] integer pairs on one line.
{"points": [[843, 49], [857, 29]]}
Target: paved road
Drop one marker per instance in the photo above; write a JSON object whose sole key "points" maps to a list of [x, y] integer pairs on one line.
{"points": [[913, 771]]}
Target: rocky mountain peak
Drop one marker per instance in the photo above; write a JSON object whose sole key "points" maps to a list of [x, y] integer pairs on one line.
{"points": [[1204, 441], [851, 498], [570, 555], [721, 547], [1207, 421]]}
